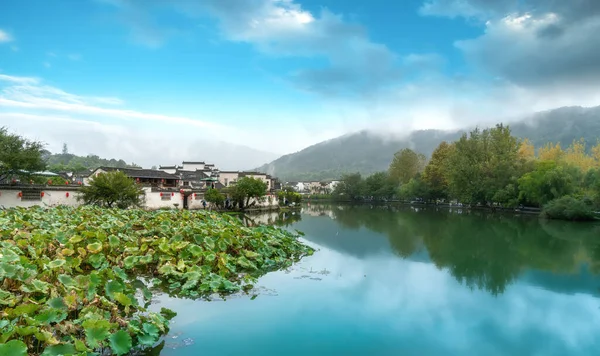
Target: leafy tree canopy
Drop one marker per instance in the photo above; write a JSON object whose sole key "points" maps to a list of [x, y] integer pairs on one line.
{"points": [[112, 189], [19, 155], [247, 188], [215, 197], [405, 165]]}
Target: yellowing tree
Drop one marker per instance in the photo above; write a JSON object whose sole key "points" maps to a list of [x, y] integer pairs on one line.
{"points": [[596, 154], [435, 174], [526, 150], [406, 165], [551, 152], [577, 156]]}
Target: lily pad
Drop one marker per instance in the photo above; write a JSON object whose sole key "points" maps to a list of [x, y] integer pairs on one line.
{"points": [[13, 348]]}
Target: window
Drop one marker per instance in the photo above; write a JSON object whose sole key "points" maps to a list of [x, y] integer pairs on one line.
{"points": [[31, 195], [226, 180]]}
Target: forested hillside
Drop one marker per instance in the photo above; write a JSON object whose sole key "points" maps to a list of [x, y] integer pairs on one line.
{"points": [[68, 162], [366, 152]]}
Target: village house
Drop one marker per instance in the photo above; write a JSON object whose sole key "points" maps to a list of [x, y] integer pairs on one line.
{"points": [[169, 169], [178, 186], [150, 177], [228, 178]]}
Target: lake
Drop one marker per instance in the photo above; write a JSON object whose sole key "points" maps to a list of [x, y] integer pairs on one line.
{"points": [[407, 281]]}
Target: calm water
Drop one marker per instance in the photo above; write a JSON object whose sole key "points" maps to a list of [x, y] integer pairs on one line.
{"points": [[404, 282]]}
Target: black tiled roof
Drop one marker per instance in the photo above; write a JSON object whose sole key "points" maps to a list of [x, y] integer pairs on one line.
{"points": [[142, 173], [191, 175], [244, 174]]}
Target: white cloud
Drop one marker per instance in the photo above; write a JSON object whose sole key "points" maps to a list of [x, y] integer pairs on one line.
{"points": [[74, 56], [356, 65], [5, 36], [47, 64], [18, 80], [92, 124], [531, 42]]}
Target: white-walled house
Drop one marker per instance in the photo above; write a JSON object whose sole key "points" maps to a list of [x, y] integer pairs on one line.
{"points": [[169, 169], [149, 177], [194, 166]]}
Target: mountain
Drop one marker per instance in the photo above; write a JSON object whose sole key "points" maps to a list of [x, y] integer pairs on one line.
{"points": [[368, 152]]}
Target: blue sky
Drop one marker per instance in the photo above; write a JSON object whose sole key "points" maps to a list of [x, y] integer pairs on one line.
{"points": [[113, 76]]}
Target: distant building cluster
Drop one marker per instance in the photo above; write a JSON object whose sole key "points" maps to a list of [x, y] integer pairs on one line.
{"points": [[188, 175], [313, 187]]}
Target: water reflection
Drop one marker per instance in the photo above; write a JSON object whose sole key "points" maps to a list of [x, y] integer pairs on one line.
{"points": [[482, 250], [399, 282]]}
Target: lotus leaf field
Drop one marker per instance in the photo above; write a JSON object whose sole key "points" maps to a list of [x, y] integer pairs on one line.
{"points": [[78, 281]]}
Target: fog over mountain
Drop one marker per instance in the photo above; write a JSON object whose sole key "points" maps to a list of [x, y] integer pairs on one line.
{"points": [[367, 152]]}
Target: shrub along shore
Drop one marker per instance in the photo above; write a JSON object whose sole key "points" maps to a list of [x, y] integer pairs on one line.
{"points": [[79, 280]]}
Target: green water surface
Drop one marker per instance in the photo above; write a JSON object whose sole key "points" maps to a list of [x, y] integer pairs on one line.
{"points": [[404, 281]]}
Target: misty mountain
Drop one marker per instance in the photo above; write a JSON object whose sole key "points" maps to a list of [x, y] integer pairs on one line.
{"points": [[367, 152], [225, 156]]}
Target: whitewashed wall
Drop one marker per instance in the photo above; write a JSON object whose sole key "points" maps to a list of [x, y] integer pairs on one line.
{"points": [[9, 198], [154, 200], [194, 203], [192, 166], [226, 178]]}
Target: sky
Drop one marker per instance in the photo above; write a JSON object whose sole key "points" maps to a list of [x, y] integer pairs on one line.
{"points": [[239, 82]]}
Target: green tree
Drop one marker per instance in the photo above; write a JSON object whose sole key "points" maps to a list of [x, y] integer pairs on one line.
{"points": [[547, 182], [405, 165], [19, 156], [415, 188], [380, 186], [247, 188], [435, 175], [215, 197], [483, 163], [112, 189], [288, 194], [351, 186], [568, 208]]}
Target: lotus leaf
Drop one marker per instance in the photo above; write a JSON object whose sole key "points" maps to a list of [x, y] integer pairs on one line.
{"points": [[96, 331], [120, 342], [58, 350], [69, 276], [95, 247], [13, 348]]}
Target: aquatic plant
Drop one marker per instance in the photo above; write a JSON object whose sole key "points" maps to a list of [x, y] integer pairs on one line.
{"points": [[75, 281]]}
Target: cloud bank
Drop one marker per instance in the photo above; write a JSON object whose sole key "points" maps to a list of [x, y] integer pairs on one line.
{"points": [[98, 125], [532, 55]]}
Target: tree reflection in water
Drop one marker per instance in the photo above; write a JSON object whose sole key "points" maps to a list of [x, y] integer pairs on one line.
{"points": [[480, 249]]}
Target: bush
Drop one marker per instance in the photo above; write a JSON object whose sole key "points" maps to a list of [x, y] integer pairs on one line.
{"points": [[568, 208], [215, 197]]}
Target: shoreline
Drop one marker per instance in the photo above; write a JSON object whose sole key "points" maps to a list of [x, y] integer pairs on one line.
{"points": [[525, 210]]}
